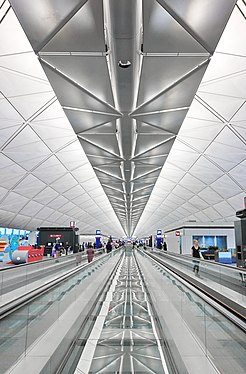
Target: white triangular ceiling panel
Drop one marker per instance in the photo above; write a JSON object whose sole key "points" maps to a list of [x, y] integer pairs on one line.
{"points": [[8, 114], [50, 170], [226, 106], [19, 221], [239, 174], [45, 213], [240, 116], [208, 194], [198, 202], [13, 202], [27, 105], [3, 192], [191, 183], [58, 202], [230, 86], [201, 129], [31, 208], [212, 213], [11, 175], [13, 84], [210, 171], [12, 37], [231, 40], [30, 186], [197, 144], [237, 201], [72, 156], [53, 138], [199, 111], [224, 209], [7, 132], [226, 187], [64, 183], [46, 196], [224, 65], [241, 131]]}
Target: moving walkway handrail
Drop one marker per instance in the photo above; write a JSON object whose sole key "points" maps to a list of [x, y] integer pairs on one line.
{"points": [[22, 300], [51, 338], [21, 275], [226, 306], [212, 263], [48, 259]]}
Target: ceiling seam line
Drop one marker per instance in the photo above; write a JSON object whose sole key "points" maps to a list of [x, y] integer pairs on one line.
{"points": [[236, 133], [221, 79], [23, 75], [237, 111], [209, 108]]}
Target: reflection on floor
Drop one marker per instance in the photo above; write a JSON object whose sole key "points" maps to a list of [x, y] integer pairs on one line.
{"points": [[128, 341]]}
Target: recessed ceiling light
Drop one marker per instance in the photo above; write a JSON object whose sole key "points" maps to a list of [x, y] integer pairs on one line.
{"points": [[124, 64]]}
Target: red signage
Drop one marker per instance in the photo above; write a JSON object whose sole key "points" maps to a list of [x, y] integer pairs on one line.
{"points": [[72, 224], [177, 233], [55, 235]]}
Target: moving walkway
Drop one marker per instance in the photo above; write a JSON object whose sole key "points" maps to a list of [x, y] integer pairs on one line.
{"points": [[123, 313]]}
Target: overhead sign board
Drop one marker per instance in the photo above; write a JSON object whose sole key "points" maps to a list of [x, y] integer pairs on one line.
{"points": [[98, 232]]}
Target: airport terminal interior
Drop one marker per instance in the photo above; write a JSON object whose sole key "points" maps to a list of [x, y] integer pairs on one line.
{"points": [[122, 186]]}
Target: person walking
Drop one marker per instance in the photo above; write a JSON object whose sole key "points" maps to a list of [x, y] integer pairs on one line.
{"points": [[90, 253], [197, 255], [109, 247]]}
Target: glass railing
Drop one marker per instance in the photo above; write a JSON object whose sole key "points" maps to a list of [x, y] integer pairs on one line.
{"points": [[29, 276], [200, 336], [228, 280], [20, 329]]}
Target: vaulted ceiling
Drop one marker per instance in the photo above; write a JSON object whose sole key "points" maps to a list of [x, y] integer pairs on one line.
{"points": [[125, 149]]}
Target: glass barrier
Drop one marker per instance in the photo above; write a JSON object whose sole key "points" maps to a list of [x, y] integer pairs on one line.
{"points": [[227, 280], [30, 276], [20, 329], [195, 329]]}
